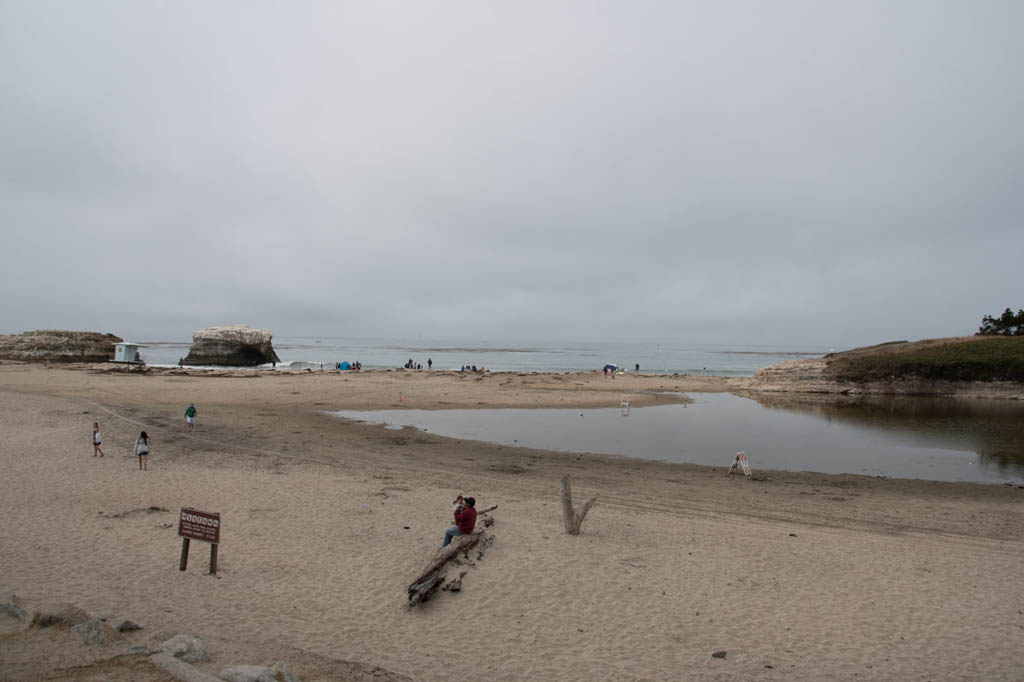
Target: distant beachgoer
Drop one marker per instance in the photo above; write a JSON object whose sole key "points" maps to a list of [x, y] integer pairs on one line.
{"points": [[142, 449], [638, 367], [181, 362], [190, 416], [430, 363], [465, 519], [96, 440]]}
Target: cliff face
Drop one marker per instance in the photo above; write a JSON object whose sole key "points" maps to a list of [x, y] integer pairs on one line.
{"points": [[233, 345], [813, 376], [58, 346]]}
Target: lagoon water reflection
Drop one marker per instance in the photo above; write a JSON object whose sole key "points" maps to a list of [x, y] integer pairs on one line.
{"points": [[931, 438]]}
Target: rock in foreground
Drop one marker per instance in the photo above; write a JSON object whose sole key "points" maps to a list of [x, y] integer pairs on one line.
{"points": [[233, 345], [57, 345]]}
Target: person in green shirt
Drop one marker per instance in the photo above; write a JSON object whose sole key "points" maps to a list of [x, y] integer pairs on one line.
{"points": [[190, 416]]}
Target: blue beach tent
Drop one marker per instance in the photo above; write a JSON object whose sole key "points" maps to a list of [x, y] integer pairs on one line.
{"points": [[345, 365]]}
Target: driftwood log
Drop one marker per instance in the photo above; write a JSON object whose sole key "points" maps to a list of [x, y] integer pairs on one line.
{"points": [[458, 551], [573, 518]]}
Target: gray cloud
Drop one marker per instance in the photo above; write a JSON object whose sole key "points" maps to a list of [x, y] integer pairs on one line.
{"points": [[840, 173]]}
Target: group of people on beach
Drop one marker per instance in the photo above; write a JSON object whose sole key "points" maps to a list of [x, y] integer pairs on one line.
{"points": [[463, 509], [142, 442], [611, 370], [411, 364]]}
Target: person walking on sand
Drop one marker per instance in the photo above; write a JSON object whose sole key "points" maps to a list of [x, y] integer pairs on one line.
{"points": [[430, 363], [142, 449], [190, 416], [96, 440], [465, 519]]}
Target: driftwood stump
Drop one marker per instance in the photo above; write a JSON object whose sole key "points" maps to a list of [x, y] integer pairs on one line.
{"points": [[431, 578], [573, 518]]}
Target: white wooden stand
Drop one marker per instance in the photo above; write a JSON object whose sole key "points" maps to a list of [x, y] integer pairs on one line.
{"points": [[740, 460]]}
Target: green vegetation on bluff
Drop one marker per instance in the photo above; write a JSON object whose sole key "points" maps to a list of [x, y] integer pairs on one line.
{"points": [[975, 358]]}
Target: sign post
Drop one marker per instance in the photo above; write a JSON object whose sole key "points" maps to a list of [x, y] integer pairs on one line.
{"points": [[199, 525]]}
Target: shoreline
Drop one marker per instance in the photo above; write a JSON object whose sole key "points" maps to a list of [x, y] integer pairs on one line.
{"points": [[399, 389], [326, 522]]}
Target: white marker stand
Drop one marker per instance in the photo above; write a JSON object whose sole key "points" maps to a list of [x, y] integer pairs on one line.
{"points": [[740, 460], [624, 404]]}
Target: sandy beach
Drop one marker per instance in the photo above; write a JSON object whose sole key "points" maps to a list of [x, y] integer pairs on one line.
{"points": [[795, 576]]}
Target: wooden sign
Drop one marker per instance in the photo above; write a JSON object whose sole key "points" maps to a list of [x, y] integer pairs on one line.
{"points": [[199, 525], [740, 460]]}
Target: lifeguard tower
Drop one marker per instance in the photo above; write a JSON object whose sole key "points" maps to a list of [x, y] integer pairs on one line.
{"points": [[128, 352]]}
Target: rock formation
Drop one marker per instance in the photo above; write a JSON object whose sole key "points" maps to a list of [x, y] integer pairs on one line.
{"points": [[234, 345], [58, 346], [813, 376]]}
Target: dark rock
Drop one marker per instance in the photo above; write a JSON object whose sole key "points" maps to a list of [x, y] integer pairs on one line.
{"points": [[128, 626], [60, 615], [232, 346], [96, 631], [56, 345], [718, 654], [188, 648], [14, 609]]}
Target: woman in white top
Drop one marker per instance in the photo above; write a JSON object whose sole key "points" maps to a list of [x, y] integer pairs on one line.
{"points": [[96, 440], [142, 449]]}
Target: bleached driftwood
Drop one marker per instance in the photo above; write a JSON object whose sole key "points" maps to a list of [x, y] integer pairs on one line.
{"points": [[422, 588], [573, 518]]}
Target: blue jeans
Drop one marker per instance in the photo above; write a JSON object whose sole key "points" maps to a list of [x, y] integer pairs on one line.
{"points": [[449, 534]]}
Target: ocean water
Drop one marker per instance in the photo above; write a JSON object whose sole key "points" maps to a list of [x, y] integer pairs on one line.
{"points": [[300, 352]]}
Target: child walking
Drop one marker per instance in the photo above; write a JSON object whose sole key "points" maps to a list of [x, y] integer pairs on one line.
{"points": [[142, 449], [96, 440]]}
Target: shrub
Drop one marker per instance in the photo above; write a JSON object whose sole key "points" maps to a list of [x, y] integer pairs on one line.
{"points": [[972, 359]]}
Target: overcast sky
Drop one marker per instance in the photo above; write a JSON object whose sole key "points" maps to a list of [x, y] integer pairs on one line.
{"points": [[842, 173]]}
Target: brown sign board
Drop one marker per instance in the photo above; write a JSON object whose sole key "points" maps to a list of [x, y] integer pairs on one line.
{"points": [[199, 525]]}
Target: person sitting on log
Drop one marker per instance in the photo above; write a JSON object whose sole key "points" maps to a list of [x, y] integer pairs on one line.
{"points": [[465, 519]]}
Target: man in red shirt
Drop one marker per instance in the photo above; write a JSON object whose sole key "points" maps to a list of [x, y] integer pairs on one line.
{"points": [[465, 519]]}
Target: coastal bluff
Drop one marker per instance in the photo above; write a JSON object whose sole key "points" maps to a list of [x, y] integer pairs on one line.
{"points": [[231, 345], [58, 345], [968, 367]]}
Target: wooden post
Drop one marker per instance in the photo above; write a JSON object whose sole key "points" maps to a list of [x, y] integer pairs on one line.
{"points": [[213, 558], [573, 519], [184, 554], [567, 512]]}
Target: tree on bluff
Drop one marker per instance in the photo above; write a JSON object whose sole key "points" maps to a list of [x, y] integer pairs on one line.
{"points": [[1007, 324]]}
